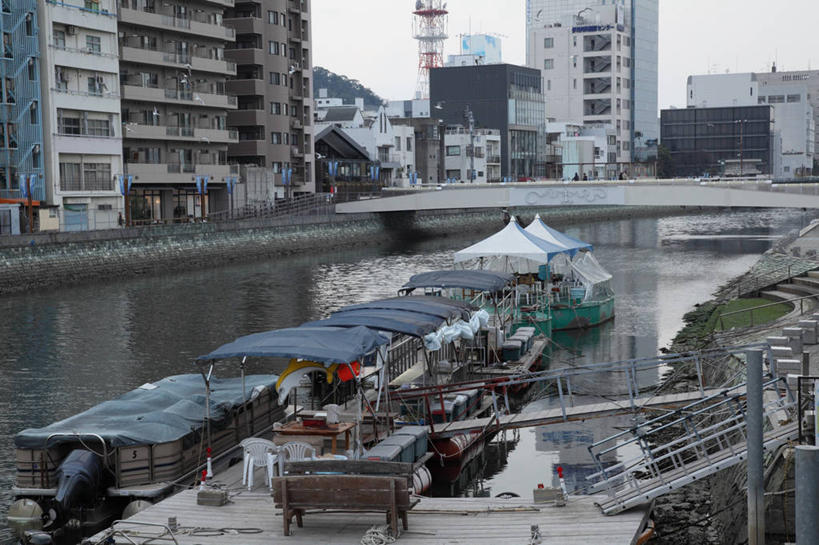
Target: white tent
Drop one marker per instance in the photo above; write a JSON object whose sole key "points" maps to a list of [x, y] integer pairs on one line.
{"points": [[553, 236], [511, 250]]}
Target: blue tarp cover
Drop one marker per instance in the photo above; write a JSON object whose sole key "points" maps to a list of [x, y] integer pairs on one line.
{"points": [[475, 280], [166, 410], [425, 304], [415, 324], [319, 344]]}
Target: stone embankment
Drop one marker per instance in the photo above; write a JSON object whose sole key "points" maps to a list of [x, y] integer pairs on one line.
{"points": [[46, 260]]}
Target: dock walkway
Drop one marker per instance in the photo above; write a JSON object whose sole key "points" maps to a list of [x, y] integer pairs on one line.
{"points": [[250, 518]]}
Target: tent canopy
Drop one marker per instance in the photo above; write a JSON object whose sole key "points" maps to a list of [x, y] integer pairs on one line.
{"points": [[553, 236], [475, 280], [326, 345], [510, 250]]}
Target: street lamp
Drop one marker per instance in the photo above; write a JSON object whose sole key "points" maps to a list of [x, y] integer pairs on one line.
{"points": [[470, 122], [741, 145]]}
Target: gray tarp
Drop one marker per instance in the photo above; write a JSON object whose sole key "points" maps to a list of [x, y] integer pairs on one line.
{"points": [[475, 280], [326, 345], [426, 304], [163, 411]]}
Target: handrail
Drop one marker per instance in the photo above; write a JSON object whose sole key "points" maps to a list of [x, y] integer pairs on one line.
{"points": [[766, 305]]}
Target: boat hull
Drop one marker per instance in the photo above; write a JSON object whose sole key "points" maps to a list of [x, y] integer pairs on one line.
{"points": [[583, 315]]}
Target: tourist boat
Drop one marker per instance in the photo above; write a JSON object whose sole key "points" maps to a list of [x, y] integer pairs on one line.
{"points": [[75, 476], [547, 262], [581, 288]]}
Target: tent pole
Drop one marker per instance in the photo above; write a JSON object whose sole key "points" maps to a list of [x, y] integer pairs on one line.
{"points": [[244, 395]]}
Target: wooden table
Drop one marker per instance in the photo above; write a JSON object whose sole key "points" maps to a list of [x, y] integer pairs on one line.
{"points": [[330, 430]]}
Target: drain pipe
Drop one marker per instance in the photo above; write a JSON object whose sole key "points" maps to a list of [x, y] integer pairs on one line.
{"points": [[756, 477], [807, 495]]}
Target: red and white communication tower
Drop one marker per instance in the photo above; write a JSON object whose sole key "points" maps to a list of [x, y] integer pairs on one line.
{"points": [[429, 28]]}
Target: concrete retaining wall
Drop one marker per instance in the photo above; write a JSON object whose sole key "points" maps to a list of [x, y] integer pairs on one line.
{"points": [[52, 259]]}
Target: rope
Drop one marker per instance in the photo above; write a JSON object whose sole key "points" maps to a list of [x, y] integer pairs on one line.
{"points": [[378, 535]]}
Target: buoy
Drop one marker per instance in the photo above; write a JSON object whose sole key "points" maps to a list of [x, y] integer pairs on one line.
{"points": [[210, 467]]}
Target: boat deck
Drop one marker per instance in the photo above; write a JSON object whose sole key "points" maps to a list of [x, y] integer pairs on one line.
{"points": [[250, 518]]}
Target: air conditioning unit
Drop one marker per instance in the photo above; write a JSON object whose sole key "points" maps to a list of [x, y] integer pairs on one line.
{"points": [[70, 30]]}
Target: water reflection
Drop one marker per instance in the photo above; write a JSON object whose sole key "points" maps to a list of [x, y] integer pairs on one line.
{"points": [[66, 350]]}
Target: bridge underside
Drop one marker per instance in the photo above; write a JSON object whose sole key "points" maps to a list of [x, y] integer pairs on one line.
{"points": [[762, 194]]}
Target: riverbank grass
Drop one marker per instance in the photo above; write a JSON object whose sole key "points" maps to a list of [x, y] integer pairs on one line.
{"points": [[758, 316]]}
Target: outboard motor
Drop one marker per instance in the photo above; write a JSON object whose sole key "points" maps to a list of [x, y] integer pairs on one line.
{"points": [[80, 480]]}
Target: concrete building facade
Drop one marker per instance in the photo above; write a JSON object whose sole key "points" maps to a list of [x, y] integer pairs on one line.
{"points": [[794, 116], [505, 97], [173, 71], [274, 88], [81, 116], [460, 157], [599, 63]]}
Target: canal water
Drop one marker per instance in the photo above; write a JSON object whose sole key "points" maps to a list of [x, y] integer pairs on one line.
{"points": [[66, 350]]}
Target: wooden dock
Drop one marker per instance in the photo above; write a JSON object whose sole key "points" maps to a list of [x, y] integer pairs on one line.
{"points": [[575, 413], [250, 518]]}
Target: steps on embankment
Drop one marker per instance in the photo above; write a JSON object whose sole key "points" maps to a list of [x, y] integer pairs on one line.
{"points": [[807, 281], [776, 295]]}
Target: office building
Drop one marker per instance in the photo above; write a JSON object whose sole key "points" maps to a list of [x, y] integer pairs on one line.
{"points": [[463, 165], [794, 116], [173, 69], [721, 141], [599, 63], [273, 84], [21, 133], [500, 96], [81, 116]]}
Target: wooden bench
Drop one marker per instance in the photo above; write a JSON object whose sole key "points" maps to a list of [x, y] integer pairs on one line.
{"points": [[296, 494]]}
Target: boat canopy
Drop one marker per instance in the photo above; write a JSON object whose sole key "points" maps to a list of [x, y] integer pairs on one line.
{"points": [[593, 276], [464, 279], [157, 412], [511, 250], [553, 236], [327, 345], [415, 324], [425, 304]]}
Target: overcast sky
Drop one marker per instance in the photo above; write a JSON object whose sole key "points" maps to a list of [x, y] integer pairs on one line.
{"points": [[371, 40]]}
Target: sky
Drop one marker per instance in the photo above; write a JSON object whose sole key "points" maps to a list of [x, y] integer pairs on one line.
{"points": [[371, 40]]}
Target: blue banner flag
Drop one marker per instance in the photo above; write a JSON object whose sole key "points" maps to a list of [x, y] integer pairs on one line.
{"points": [[23, 186], [205, 180], [130, 182], [198, 184]]}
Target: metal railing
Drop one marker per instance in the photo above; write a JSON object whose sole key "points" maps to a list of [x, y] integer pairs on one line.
{"points": [[319, 204]]}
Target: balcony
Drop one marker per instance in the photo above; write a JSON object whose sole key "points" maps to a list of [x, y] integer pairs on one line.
{"points": [[175, 173], [493, 159], [246, 87], [175, 96], [187, 26], [246, 25], [185, 134], [295, 123], [177, 60], [296, 151], [245, 118], [253, 148], [246, 56], [223, 3]]}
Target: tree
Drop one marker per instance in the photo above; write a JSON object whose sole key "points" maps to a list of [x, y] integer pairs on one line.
{"points": [[665, 162]]}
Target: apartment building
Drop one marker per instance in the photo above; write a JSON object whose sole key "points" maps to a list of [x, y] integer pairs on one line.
{"points": [[472, 158], [273, 83], [20, 105], [173, 71], [81, 115]]}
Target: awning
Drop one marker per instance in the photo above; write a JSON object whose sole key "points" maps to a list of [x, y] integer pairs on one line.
{"points": [[474, 280], [553, 236], [415, 324], [425, 304], [325, 345]]}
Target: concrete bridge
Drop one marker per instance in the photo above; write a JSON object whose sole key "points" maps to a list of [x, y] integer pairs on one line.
{"points": [[648, 192]]}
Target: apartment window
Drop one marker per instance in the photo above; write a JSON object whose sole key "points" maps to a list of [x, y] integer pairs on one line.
{"points": [[283, 49], [761, 100], [92, 4], [453, 151], [92, 44], [275, 78], [776, 99], [95, 85], [29, 24], [548, 85], [612, 140], [283, 19], [397, 143], [794, 98], [284, 79], [69, 126], [273, 47], [99, 127], [409, 143], [548, 43], [32, 69], [276, 108], [574, 84], [59, 39], [33, 114], [275, 138], [548, 64], [70, 178], [273, 17], [626, 146], [97, 176]]}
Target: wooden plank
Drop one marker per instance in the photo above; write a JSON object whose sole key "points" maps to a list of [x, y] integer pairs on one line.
{"points": [[365, 467]]}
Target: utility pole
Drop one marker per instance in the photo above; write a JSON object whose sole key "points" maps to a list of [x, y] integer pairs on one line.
{"points": [[754, 433], [470, 122], [30, 205]]}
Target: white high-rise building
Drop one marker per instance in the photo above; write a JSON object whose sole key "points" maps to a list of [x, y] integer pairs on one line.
{"points": [[599, 65]]}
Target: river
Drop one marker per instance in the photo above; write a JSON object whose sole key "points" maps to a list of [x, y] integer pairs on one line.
{"points": [[68, 349]]}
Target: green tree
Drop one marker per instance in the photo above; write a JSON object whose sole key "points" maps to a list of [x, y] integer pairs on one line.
{"points": [[665, 163]]}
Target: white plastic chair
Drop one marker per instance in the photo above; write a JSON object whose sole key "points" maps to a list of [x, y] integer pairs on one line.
{"points": [[258, 453], [295, 451]]}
